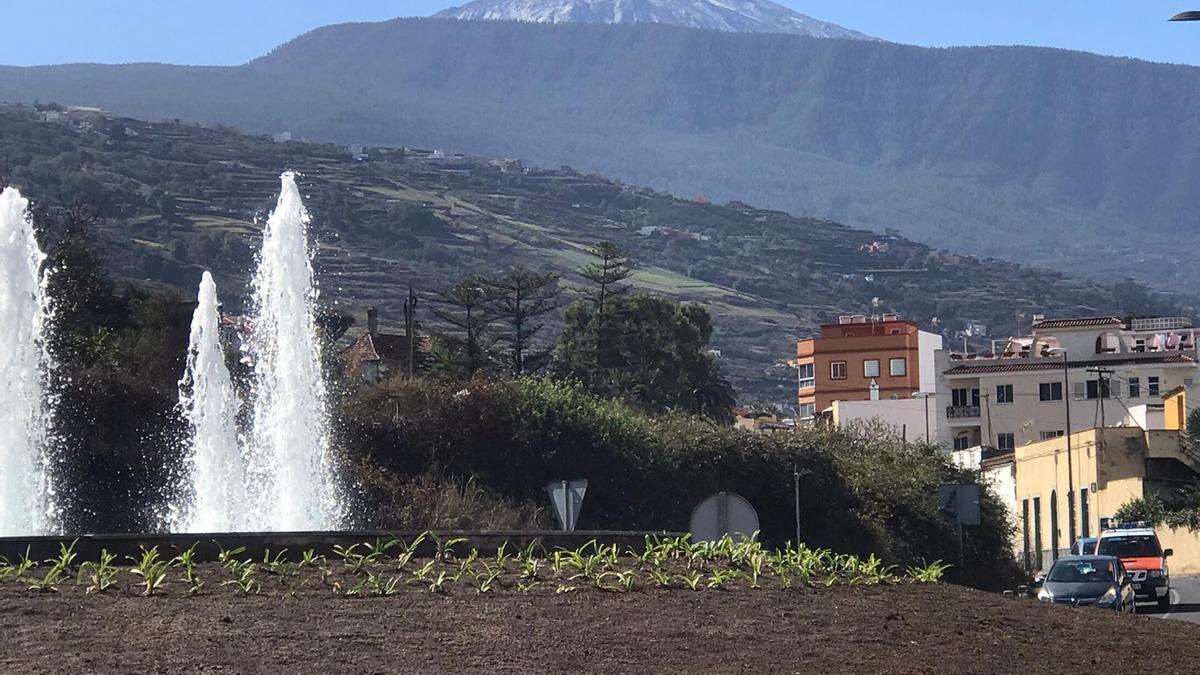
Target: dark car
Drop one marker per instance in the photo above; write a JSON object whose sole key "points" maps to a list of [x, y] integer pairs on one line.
{"points": [[1089, 580]]}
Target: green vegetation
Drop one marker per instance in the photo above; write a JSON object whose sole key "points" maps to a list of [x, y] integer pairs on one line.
{"points": [[1179, 508], [662, 562], [400, 218], [862, 494], [466, 448]]}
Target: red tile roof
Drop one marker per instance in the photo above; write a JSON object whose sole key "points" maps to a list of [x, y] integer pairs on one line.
{"points": [[1080, 322], [1018, 366], [1024, 365]]}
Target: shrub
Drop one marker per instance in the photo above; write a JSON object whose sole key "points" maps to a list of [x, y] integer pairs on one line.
{"points": [[1179, 509], [860, 493]]}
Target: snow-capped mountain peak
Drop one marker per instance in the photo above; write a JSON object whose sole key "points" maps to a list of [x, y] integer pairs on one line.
{"points": [[756, 16]]}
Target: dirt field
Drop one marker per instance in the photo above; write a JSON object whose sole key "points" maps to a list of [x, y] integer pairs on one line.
{"points": [[892, 629]]}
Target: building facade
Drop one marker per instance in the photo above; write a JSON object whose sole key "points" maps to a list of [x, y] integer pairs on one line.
{"points": [[1059, 499], [911, 419], [861, 359], [1067, 375], [375, 356]]}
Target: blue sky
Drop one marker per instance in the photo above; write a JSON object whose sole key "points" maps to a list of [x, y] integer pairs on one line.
{"points": [[222, 32]]}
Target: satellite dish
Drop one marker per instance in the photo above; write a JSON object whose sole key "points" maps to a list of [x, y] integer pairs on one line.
{"points": [[721, 514]]}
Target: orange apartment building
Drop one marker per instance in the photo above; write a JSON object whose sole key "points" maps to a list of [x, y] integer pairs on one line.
{"points": [[860, 359]]}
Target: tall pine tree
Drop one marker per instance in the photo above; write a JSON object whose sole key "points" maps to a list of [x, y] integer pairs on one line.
{"points": [[465, 348], [519, 300]]}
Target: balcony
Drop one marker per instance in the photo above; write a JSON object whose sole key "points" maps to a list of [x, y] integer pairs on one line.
{"points": [[962, 412]]}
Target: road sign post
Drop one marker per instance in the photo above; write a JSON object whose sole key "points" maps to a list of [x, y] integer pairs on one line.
{"points": [[567, 496], [961, 503]]}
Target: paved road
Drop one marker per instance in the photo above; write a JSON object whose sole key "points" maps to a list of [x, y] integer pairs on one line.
{"points": [[1185, 601]]}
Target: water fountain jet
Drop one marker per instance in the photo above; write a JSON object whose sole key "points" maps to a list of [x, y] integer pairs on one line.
{"points": [[290, 471], [215, 494], [27, 502]]}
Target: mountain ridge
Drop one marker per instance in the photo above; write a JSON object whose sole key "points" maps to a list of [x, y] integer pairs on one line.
{"points": [[761, 16], [385, 219], [1050, 157]]}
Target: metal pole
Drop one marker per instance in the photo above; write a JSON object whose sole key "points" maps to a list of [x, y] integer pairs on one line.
{"points": [[566, 506], [926, 417], [987, 411], [796, 476], [410, 321], [1070, 459]]}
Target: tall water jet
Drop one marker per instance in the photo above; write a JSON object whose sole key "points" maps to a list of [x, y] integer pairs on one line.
{"points": [[27, 504], [290, 472], [214, 498]]}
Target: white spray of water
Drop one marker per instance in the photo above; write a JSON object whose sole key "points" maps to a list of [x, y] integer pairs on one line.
{"points": [[215, 497], [290, 473], [27, 504]]}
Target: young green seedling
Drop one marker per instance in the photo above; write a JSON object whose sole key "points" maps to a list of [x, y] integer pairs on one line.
{"points": [[151, 568], [246, 583], [100, 576]]}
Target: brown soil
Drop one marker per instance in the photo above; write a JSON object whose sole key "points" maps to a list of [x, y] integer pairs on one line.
{"points": [[901, 628]]}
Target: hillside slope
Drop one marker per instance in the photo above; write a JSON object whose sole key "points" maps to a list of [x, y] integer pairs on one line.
{"points": [[177, 199], [1039, 155]]}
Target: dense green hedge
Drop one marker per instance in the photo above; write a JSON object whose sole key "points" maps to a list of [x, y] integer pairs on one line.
{"points": [[1178, 510], [860, 493]]}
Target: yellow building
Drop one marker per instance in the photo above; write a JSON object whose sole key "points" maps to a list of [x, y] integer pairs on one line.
{"points": [[1175, 410], [1108, 467]]}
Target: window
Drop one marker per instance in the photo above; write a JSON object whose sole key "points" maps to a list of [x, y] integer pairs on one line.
{"points": [[1004, 393], [1025, 534], [871, 368], [837, 370], [1152, 386], [962, 442], [1050, 391], [808, 374], [1037, 533], [899, 368], [1071, 515], [808, 411], [1094, 389], [1047, 435], [1006, 442], [1054, 524], [961, 398], [1130, 546], [1083, 512], [1135, 387]]}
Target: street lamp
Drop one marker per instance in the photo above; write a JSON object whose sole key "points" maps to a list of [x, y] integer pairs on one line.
{"points": [[925, 395], [1186, 16], [1070, 462]]}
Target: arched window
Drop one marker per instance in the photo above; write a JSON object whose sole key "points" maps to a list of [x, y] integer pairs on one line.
{"points": [[1054, 524]]}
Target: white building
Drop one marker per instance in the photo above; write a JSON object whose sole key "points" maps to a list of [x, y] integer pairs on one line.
{"points": [[1101, 371], [914, 419]]}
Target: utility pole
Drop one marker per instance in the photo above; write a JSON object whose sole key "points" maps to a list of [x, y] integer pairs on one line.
{"points": [[1102, 395], [1070, 461], [1070, 454], [987, 412], [926, 397], [410, 322], [1103, 392], [796, 477]]}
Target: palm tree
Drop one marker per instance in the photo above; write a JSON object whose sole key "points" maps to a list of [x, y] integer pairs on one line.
{"points": [[712, 395]]}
